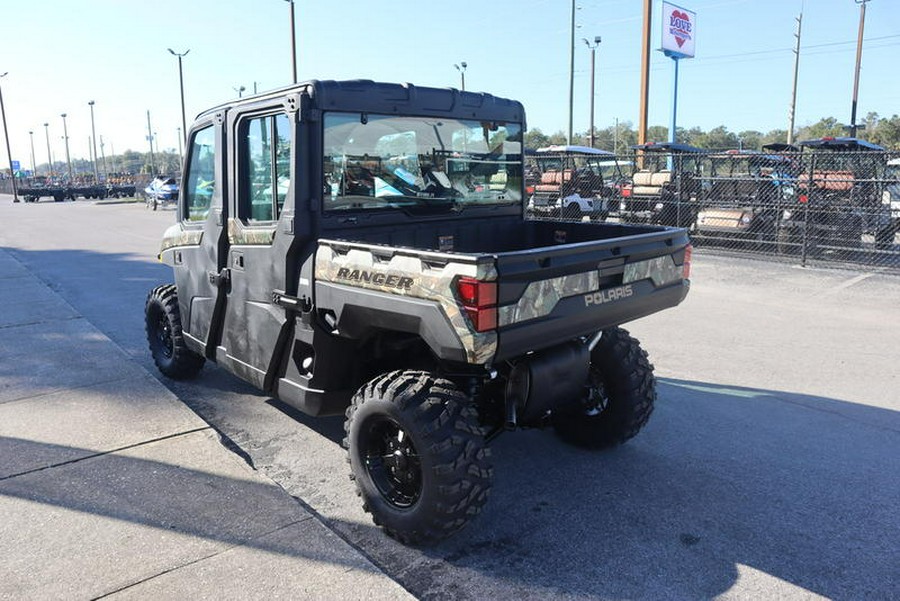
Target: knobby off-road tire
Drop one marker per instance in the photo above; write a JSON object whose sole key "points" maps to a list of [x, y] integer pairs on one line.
{"points": [[164, 334], [621, 395], [417, 455]]}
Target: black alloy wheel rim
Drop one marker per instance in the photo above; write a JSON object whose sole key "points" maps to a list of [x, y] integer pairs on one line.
{"points": [[596, 400], [392, 462], [163, 335]]}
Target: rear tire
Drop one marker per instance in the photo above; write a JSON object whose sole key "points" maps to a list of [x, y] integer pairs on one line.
{"points": [[572, 211], [166, 338], [619, 398], [418, 456]]}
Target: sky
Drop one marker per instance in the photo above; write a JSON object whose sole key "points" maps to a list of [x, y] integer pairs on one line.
{"points": [[60, 54]]}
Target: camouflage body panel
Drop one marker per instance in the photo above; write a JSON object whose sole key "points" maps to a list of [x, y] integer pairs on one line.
{"points": [[238, 235], [176, 235], [540, 298], [413, 276], [661, 271]]}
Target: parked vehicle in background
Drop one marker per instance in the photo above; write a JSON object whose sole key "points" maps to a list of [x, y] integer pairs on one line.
{"points": [[890, 199], [839, 198], [744, 196], [573, 181], [666, 187], [160, 190]]}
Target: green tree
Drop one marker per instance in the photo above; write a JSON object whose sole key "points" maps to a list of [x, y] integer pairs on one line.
{"points": [[751, 139]]}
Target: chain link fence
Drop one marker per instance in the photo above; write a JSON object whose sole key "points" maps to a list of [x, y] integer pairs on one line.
{"points": [[837, 205]]}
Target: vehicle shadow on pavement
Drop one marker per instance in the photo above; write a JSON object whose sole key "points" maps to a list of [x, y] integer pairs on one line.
{"points": [[777, 490], [153, 485]]}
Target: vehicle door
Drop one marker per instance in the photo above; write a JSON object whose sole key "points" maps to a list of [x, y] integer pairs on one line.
{"points": [[261, 236], [202, 211]]}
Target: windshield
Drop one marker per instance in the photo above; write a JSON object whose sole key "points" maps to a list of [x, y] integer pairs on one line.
{"points": [[377, 162]]}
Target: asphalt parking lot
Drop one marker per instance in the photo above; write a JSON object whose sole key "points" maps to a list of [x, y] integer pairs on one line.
{"points": [[769, 469]]}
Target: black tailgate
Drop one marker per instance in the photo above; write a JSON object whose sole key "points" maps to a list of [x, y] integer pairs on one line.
{"points": [[556, 293]]}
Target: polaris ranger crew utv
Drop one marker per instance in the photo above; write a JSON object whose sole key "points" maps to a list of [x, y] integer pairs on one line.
{"points": [[361, 247]]}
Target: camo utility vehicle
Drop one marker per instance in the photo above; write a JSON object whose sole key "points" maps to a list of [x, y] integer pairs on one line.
{"points": [[361, 247]]}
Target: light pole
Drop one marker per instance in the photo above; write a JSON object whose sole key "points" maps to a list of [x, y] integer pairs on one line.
{"points": [[181, 83], [859, 43], [150, 139], [8, 151], [240, 91], [66, 139], [94, 142], [180, 150], [593, 55], [293, 41], [49, 157], [461, 67], [103, 157], [33, 164], [571, 72]]}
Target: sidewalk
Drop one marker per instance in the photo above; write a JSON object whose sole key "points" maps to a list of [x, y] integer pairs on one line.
{"points": [[110, 486]]}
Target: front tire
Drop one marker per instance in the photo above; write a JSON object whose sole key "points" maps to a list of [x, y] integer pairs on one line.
{"points": [[620, 396], [166, 338], [418, 456]]}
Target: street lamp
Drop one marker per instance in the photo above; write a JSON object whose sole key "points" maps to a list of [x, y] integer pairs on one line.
{"points": [[461, 67], [66, 139], [49, 157], [94, 142], [240, 91], [8, 151], [181, 83], [180, 150], [293, 41], [593, 54]]}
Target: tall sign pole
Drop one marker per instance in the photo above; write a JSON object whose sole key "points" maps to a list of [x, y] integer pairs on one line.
{"points": [[793, 112], [645, 73], [859, 44], [679, 35], [571, 72]]}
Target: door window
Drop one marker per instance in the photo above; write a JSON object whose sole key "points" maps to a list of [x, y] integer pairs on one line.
{"points": [[201, 174], [266, 173]]}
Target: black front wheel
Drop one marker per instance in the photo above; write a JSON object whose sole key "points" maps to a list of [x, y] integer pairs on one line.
{"points": [[618, 399], [418, 455], [166, 338]]}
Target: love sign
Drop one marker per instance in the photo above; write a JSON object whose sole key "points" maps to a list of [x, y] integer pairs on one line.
{"points": [[679, 31]]}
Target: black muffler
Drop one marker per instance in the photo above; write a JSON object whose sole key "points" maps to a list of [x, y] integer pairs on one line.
{"points": [[547, 380]]}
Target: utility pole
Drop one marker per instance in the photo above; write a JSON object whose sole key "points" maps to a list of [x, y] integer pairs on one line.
{"points": [[49, 156], [103, 157], [859, 43], [181, 84], [150, 139], [645, 73], [66, 138], [571, 72], [94, 142], [593, 54], [793, 112], [293, 41], [33, 164], [180, 150], [8, 151]]}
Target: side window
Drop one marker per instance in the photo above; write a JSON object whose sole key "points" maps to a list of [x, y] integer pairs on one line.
{"points": [[201, 175], [267, 167]]}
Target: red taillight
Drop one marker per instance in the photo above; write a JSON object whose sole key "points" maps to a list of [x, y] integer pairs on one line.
{"points": [[626, 191], [479, 300], [529, 189], [803, 198], [686, 269]]}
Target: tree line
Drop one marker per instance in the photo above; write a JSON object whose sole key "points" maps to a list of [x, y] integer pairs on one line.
{"points": [[882, 131]]}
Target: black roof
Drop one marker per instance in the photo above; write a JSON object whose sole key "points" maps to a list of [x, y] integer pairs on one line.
{"points": [[667, 147], [840, 143], [361, 95], [780, 147]]}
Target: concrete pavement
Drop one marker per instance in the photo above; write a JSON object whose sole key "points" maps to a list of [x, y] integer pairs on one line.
{"points": [[111, 487]]}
